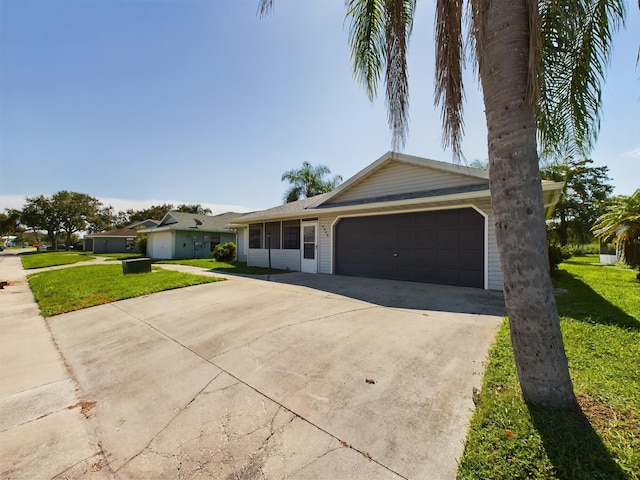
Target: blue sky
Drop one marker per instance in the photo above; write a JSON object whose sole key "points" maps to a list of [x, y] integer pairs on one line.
{"points": [[140, 102]]}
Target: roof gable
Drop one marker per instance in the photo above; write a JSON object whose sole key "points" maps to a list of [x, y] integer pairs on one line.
{"points": [[396, 174]]}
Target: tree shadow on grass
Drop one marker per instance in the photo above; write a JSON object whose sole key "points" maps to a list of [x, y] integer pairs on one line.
{"points": [[573, 446], [582, 303]]}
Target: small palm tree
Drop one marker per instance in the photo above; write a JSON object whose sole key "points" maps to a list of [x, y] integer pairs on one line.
{"points": [[621, 224], [308, 182]]}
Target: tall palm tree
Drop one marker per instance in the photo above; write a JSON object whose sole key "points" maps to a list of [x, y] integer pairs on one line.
{"points": [[540, 64], [621, 224], [309, 181]]}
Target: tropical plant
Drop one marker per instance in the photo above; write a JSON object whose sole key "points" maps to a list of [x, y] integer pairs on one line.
{"points": [[621, 225], [309, 181], [194, 208], [540, 65], [583, 198]]}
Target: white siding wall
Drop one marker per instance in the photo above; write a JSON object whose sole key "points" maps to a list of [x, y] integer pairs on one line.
{"points": [[325, 244], [282, 259], [242, 244], [493, 257], [397, 178]]}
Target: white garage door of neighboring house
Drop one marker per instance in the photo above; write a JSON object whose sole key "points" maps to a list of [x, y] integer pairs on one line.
{"points": [[445, 247], [161, 245]]}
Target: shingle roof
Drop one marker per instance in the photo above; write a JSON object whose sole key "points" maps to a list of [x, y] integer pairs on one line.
{"points": [[288, 209], [120, 232], [187, 221]]}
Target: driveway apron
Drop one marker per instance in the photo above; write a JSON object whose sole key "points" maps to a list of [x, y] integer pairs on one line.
{"points": [[254, 379]]}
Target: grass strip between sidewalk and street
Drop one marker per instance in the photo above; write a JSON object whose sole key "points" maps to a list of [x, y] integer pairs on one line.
{"points": [[600, 321], [74, 288]]}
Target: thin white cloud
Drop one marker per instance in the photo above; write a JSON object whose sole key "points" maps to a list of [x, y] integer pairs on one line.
{"points": [[635, 153], [11, 201], [123, 204]]}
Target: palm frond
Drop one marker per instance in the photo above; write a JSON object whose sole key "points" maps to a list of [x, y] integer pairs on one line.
{"points": [[265, 7], [397, 32], [449, 91], [367, 42], [379, 37], [576, 47]]}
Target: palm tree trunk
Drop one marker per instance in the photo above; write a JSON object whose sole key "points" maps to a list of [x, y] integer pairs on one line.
{"points": [[516, 194]]}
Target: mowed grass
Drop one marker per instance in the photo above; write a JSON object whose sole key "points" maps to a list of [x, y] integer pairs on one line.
{"points": [[32, 260], [600, 320], [239, 268], [74, 288]]}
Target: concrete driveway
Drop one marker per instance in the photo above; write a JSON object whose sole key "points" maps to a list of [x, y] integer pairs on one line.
{"points": [[274, 379]]}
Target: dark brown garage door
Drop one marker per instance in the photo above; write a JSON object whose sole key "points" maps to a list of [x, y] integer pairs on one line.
{"points": [[445, 247]]}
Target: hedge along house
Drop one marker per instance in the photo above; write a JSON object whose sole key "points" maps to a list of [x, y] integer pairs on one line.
{"points": [[186, 235], [401, 218]]}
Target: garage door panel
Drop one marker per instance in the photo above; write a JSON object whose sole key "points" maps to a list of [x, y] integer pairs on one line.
{"points": [[470, 259], [425, 256], [448, 237], [426, 238], [437, 247]]}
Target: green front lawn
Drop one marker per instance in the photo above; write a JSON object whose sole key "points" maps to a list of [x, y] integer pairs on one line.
{"points": [[600, 320], [52, 258], [239, 268], [74, 288]]}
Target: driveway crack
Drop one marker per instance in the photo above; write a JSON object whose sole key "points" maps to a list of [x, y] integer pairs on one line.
{"points": [[263, 394], [178, 413]]}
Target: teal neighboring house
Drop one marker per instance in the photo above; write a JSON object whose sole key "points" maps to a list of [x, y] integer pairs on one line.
{"points": [[186, 235]]}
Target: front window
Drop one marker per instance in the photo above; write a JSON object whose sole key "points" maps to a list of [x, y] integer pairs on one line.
{"points": [[255, 235], [291, 235], [273, 235], [214, 241], [130, 244]]}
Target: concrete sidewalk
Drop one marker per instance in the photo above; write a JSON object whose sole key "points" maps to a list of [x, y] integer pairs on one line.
{"points": [[305, 377], [44, 432]]}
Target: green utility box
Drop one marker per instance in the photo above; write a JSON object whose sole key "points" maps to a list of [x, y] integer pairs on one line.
{"points": [[136, 265]]}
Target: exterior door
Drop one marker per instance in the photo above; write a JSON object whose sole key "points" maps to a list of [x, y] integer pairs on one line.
{"points": [[309, 250]]}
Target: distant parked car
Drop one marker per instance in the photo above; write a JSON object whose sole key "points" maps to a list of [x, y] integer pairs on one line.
{"points": [[63, 247], [1, 248]]}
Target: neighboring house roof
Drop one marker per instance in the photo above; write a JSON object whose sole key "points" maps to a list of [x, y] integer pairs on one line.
{"points": [[475, 185], [120, 233], [148, 223], [189, 221]]}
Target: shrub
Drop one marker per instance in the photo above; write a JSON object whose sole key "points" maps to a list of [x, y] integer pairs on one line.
{"points": [[582, 250], [556, 256], [141, 244], [225, 252]]}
